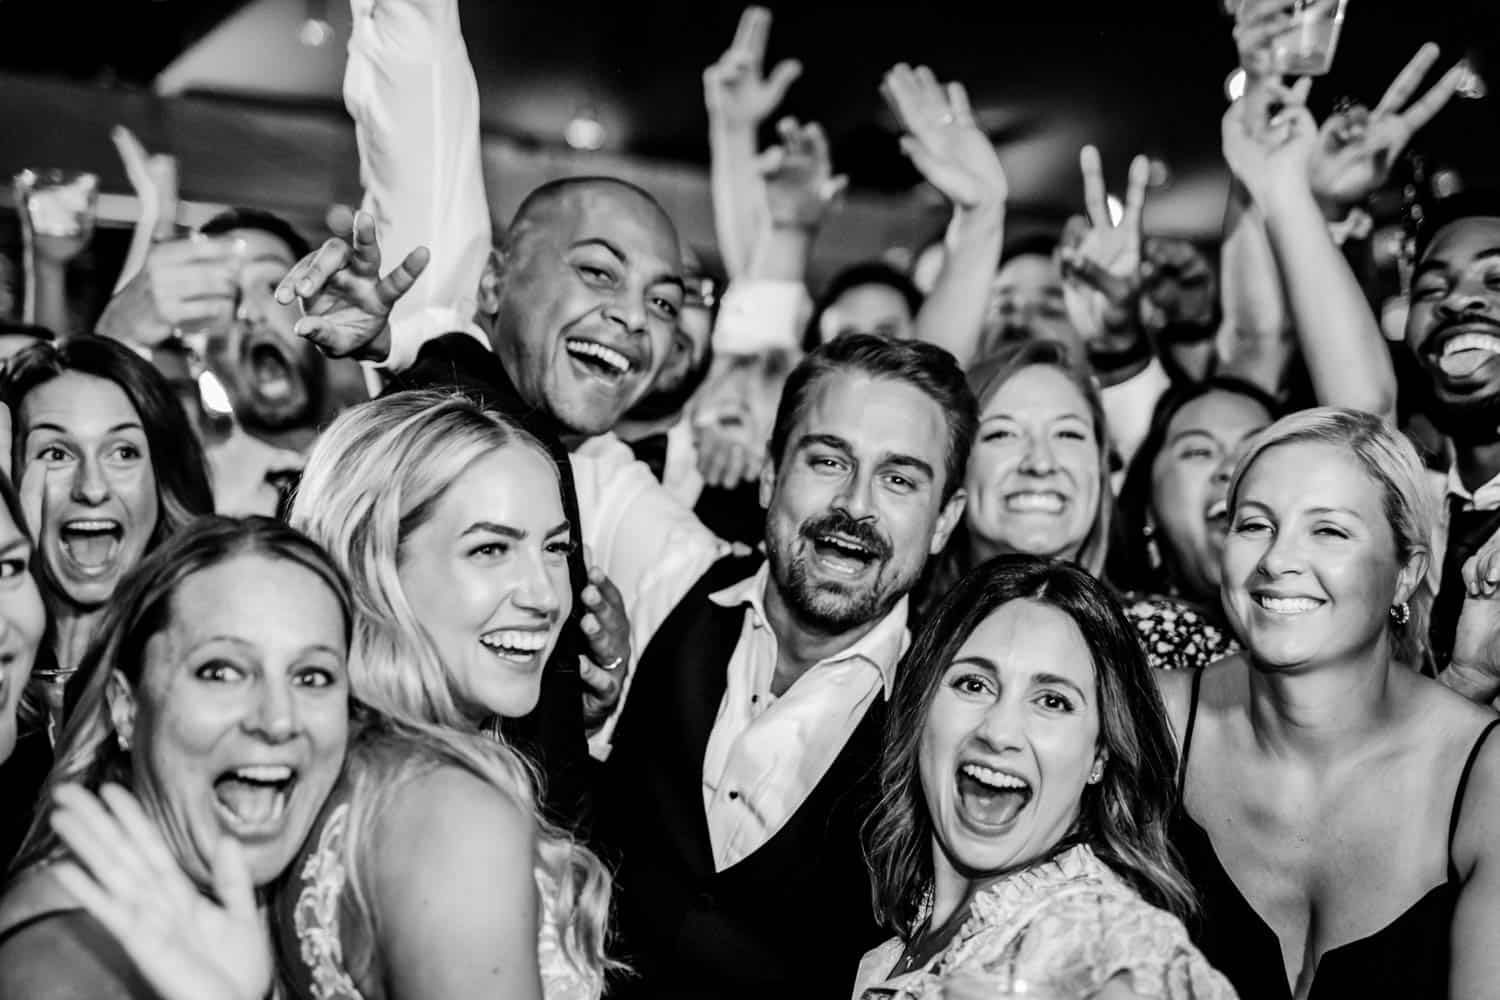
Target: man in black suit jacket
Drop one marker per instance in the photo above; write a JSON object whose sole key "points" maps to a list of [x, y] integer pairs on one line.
{"points": [[578, 303]]}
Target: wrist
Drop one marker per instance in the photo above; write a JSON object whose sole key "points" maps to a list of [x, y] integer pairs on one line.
{"points": [[1473, 681], [983, 218]]}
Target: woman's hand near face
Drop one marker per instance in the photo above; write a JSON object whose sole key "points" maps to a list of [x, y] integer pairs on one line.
{"points": [[189, 946]]}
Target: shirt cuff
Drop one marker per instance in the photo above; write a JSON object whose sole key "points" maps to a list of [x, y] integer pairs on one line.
{"points": [[759, 315]]}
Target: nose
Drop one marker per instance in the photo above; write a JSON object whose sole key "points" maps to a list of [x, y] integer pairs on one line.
{"points": [[1465, 297], [248, 309], [627, 310], [1282, 556], [90, 485], [536, 591], [855, 497], [1039, 459], [1003, 726], [275, 716]]}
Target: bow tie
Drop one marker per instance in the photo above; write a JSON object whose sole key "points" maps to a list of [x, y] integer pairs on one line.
{"points": [[652, 450]]}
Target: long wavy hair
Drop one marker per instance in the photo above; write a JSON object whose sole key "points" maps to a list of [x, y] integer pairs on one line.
{"points": [[1123, 818], [986, 379], [89, 751], [373, 478], [1410, 508], [30, 713]]}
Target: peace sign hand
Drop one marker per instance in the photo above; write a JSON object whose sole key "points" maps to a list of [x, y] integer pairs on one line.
{"points": [[345, 302], [942, 141], [1356, 147], [735, 88], [1101, 260]]}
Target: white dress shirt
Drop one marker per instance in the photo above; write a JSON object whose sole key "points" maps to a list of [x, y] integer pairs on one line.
{"points": [[411, 90], [1486, 497], [1128, 408], [766, 753]]}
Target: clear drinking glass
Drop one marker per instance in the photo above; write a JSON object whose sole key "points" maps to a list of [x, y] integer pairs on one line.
{"points": [[1288, 37], [57, 203]]}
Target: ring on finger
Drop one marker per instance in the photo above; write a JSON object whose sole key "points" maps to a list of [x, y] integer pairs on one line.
{"points": [[612, 665]]}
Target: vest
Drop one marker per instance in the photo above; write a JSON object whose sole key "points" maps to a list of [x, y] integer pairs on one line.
{"points": [[790, 920]]}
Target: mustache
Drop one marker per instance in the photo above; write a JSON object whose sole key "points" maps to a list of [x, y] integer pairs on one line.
{"points": [[838, 522]]}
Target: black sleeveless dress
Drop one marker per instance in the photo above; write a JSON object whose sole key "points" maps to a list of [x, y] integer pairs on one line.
{"points": [[1407, 958]]}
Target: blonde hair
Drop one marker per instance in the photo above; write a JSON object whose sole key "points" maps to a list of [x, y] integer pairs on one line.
{"points": [[1410, 506], [372, 479]]}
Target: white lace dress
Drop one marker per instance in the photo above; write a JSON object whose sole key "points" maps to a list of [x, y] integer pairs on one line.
{"points": [[1064, 927]]}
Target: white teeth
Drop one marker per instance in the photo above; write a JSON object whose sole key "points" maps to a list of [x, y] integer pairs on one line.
{"points": [[1048, 503], [265, 773], [1472, 342], [619, 362], [1287, 605], [515, 641], [1217, 509], [91, 525], [844, 544], [995, 779]]}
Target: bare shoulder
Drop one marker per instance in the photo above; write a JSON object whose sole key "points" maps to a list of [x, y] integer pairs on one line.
{"points": [[1215, 684], [449, 812], [66, 955]]}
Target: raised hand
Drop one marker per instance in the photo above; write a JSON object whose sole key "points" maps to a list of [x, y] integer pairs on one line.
{"points": [[1476, 642], [736, 89], [345, 302], [942, 141], [1269, 138], [186, 944], [1356, 147], [801, 187], [1100, 259], [182, 283], [1178, 288]]}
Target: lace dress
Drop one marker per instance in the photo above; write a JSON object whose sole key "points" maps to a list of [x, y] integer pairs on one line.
{"points": [[1068, 925]]}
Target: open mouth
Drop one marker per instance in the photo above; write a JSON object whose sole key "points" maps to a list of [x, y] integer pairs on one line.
{"points": [[989, 797], [272, 373], [1217, 514], [91, 544], [516, 645], [1287, 605], [603, 362], [252, 800], [1035, 502], [842, 554], [1462, 355]]}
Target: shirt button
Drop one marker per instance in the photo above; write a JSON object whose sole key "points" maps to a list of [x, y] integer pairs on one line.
{"points": [[755, 699], [733, 796]]}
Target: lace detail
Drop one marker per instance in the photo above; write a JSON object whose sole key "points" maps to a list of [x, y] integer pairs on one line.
{"points": [[1176, 635], [1068, 926], [316, 915], [561, 979]]}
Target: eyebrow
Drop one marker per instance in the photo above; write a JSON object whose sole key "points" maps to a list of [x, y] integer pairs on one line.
{"points": [[1335, 510], [1057, 680], [1190, 432], [15, 545], [826, 440], [599, 241], [491, 527], [1440, 264], [909, 462], [131, 425]]}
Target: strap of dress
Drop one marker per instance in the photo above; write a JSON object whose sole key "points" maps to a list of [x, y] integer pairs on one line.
{"points": [[1458, 796], [1187, 734], [31, 921]]}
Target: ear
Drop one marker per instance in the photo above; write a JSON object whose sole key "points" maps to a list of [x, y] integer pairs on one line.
{"points": [[948, 518], [767, 483], [490, 282], [121, 708], [1411, 575]]}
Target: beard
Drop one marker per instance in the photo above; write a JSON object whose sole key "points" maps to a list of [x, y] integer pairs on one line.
{"points": [[670, 400], [826, 605]]}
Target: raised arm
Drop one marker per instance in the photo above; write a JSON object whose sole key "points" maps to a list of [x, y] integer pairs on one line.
{"points": [[1340, 339], [411, 91], [800, 191], [739, 97], [955, 156]]}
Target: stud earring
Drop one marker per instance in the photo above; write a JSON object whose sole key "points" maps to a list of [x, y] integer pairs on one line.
{"points": [[1401, 614], [1097, 773]]}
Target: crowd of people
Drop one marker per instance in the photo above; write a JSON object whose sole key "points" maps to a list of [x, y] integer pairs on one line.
{"points": [[542, 615]]}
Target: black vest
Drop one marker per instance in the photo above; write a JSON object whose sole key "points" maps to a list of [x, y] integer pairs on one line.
{"points": [[792, 919]]}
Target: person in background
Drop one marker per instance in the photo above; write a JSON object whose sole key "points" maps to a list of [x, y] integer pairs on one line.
{"points": [[24, 752], [1020, 844], [16, 337], [872, 297], [1038, 482], [1316, 880], [217, 696], [739, 774], [108, 468]]}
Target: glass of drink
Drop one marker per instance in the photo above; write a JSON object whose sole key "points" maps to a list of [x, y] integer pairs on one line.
{"points": [[1288, 37], [57, 203]]}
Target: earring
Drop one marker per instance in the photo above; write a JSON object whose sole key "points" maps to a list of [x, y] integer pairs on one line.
{"points": [[1401, 614], [122, 741], [1153, 553], [1096, 773]]}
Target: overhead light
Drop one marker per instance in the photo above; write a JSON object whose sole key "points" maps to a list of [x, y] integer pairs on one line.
{"points": [[1234, 84], [1446, 183], [585, 131], [316, 32], [1116, 210], [1471, 84]]}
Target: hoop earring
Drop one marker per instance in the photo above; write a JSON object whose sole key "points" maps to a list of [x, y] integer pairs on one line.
{"points": [[1401, 614], [1153, 551]]}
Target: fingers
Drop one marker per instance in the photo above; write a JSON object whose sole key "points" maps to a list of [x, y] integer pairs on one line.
{"points": [[1135, 193], [140, 831], [364, 244], [233, 883], [770, 161], [1422, 112], [751, 35], [1407, 81], [116, 917], [1297, 93], [399, 281], [782, 77], [958, 104], [134, 156], [340, 222], [1095, 200], [96, 842], [5, 439], [1073, 231], [1115, 288], [309, 275]]}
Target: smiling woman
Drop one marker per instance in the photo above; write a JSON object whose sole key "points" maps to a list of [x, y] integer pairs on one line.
{"points": [[1020, 842], [218, 695], [107, 466]]}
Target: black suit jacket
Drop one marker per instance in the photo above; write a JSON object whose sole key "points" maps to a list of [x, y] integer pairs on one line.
{"points": [[553, 734], [792, 919]]}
